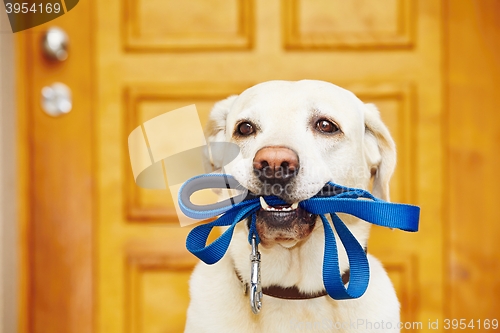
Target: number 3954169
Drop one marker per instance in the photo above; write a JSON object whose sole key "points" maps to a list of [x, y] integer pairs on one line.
{"points": [[25, 8], [463, 324]]}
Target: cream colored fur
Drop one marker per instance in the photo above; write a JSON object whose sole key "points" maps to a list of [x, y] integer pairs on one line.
{"points": [[283, 111]]}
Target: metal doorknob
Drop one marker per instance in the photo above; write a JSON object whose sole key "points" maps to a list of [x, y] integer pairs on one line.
{"points": [[56, 99], [55, 44]]}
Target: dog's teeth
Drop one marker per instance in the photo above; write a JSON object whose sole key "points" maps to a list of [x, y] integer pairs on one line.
{"points": [[268, 208], [264, 204]]}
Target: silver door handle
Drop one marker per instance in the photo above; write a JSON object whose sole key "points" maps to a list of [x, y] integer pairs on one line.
{"points": [[55, 44]]}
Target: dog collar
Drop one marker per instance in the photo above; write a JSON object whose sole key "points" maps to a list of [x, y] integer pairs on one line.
{"points": [[293, 292], [288, 292], [338, 199]]}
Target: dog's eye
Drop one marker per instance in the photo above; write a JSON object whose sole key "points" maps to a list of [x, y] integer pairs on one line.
{"points": [[326, 126], [245, 129]]}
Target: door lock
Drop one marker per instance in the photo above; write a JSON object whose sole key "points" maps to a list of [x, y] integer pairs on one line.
{"points": [[56, 99]]}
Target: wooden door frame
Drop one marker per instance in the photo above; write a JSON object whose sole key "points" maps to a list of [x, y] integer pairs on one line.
{"points": [[8, 202]]}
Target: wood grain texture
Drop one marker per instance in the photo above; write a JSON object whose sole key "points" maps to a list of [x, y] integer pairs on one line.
{"points": [[360, 24], [23, 186], [164, 25], [157, 294], [58, 175], [473, 145]]}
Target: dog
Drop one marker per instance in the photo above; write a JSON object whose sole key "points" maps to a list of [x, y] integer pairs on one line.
{"points": [[294, 137]]}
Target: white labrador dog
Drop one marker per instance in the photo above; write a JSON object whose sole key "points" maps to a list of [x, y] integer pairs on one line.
{"points": [[295, 137]]}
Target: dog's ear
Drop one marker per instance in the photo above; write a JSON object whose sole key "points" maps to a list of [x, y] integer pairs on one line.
{"points": [[216, 129], [216, 125], [380, 152]]}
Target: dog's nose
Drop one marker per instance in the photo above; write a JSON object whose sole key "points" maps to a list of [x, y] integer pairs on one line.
{"points": [[275, 164]]}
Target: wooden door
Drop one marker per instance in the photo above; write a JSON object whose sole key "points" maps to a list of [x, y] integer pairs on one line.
{"points": [[156, 56], [149, 57]]}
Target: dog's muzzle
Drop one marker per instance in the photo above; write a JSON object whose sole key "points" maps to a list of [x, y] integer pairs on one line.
{"points": [[275, 167]]}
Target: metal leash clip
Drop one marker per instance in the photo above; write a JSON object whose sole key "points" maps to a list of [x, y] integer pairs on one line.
{"points": [[255, 285]]}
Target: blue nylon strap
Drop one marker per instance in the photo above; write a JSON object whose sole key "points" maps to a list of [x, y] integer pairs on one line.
{"points": [[385, 214], [358, 262], [342, 200], [197, 238]]}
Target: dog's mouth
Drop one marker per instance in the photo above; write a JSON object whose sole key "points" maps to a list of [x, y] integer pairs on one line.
{"points": [[284, 224]]}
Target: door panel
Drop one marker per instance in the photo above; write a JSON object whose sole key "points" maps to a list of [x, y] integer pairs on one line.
{"points": [[156, 292], [157, 25], [349, 24]]}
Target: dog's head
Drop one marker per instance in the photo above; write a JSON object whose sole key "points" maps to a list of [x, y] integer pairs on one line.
{"points": [[295, 137]]}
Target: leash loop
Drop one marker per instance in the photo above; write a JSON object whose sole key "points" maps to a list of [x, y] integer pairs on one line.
{"points": [[209, 181]]}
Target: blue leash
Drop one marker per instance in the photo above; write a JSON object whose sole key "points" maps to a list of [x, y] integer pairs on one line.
{"points": [[339, 199]]}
